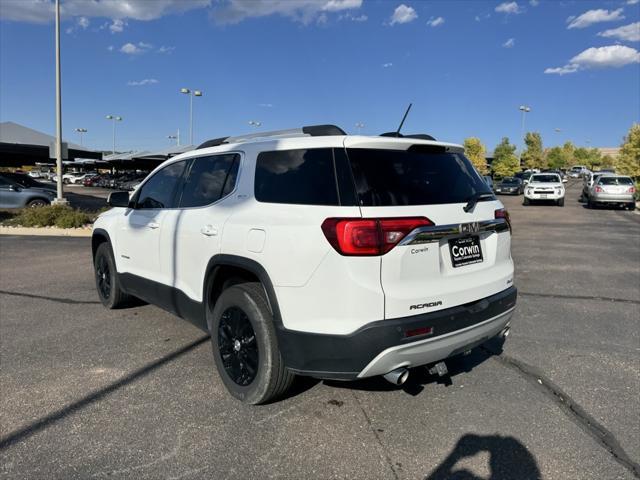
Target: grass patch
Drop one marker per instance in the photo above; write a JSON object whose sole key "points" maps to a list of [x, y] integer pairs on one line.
{"points": [[50, 216]]}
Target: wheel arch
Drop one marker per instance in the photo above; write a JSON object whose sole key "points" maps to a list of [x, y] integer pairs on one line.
{"points": [[98, 237], [222, 268]]}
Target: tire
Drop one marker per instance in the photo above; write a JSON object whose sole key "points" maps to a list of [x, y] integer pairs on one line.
{"points": [[525, 201], [65, 181], [242, 313], [631, 206], [561, 202], [37, 202], [107, 283], [590, 204]]}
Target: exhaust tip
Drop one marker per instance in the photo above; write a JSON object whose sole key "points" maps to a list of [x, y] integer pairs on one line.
{"points": [[397, 376], [505, 332]]}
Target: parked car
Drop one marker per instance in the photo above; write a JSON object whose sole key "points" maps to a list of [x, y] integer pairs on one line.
{"points": [[589, 181], [524, 176], [14, 195], [27, 181], [577, 171], [91, 181], [315, 253], [489, 181], [560, 173], [613, 190], [544, 186], [510, 185]]}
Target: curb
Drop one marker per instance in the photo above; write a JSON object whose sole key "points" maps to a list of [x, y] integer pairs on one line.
{"points": [[46, 231]]}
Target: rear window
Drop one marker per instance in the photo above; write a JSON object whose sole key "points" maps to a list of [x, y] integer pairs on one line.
{"points": [[303, 177], [414, 177], [615, 181]]}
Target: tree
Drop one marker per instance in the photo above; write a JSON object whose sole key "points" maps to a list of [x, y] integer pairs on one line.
{"points": [[555, 158], [505, 163], [590, 157], [628, 163], [608, 161], [475, 151], [533, 156]]}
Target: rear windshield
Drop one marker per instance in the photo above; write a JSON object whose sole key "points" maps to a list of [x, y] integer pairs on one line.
{"points": [[416, 177], [545, 178], [510, 181], [615, 181]]}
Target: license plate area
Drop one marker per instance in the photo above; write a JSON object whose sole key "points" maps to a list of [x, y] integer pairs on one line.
{"points": [[465, 251]]}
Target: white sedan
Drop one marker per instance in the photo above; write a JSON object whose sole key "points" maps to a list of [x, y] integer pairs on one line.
{"points": [[545, 186]]}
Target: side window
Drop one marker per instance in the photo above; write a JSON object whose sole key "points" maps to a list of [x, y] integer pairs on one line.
{"points": [[159, 191], [210, 179], [303, 177], [4, 183]]}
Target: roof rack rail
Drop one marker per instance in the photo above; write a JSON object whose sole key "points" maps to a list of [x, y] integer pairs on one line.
{"points": [[417, 136], [310, 130]]}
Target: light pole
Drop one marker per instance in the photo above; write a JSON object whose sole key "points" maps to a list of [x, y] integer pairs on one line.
{"points": [[191, 93], [175, 137], [81, 131], [59, 198], [114, 119], [255, 123], [359, 126], [524, 109]]}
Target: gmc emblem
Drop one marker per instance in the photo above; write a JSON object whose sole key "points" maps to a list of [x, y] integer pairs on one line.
{"points": [[471, 227]]}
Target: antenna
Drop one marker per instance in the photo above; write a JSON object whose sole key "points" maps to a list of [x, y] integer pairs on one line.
{"points": [[403, 119]]}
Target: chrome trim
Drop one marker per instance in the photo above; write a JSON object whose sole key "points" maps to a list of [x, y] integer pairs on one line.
{"points": [[435, 233]]}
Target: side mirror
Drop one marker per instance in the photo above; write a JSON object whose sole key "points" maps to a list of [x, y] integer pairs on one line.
{"points": [[118, 199]]}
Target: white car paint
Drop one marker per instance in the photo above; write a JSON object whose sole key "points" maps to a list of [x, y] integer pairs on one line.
{"points": [[538, 190]]}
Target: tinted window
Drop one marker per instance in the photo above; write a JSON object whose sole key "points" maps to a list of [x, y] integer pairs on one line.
{"points": [[4, 182], [210, 179], [303, 177], [615, 181], [159, 191], [511, 181], [551, 178], [421, 177]]}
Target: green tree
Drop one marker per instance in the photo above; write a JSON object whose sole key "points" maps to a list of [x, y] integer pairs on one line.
{"points": [[628, 163], [608, 161], [533, 156], [505, 163], [475, 151], [591, 157], [555, 158]]}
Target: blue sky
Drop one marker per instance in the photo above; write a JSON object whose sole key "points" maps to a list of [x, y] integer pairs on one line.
{"points": [[465, 65]]}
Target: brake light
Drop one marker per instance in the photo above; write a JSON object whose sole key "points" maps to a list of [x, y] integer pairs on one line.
{"points": [[631, 190], [369, 236], [599, 190], [503, 213]]}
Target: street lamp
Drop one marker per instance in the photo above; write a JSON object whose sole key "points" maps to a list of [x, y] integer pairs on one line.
{"points": [[359, 126], [175, 137], [59, 198], [524, 109], [81, 131], [114, 119], [191, 93], [255, 123]]}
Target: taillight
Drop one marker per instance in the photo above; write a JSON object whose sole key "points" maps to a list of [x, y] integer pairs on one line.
{"points": [[503, 213], [631, 190], [599, 190], [369, 236]]}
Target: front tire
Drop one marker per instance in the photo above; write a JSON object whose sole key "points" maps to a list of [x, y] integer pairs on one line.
{"points": [[37, 203], [245, 347], [561, 202], [107, 283], [525, 201]]}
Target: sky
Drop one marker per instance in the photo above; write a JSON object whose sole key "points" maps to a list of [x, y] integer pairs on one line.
{"points": [[467, 67]]}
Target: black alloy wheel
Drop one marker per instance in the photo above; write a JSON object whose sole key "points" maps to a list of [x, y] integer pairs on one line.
{"points": [[238, 346], [103, 277]]}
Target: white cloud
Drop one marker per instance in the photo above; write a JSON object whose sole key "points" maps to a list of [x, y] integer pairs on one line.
{"points": [[509, 43], [595, 16], [42, 11], [110, 48], [612, 56], [387, 65], [81, 23], [133, 49], [141, 83], [629, 33], [632, 2], [353, 18], [265, 105], [167, 50], [434, 22], [117, 26], [403, 14], [509, 8], [303, 11], [534, 3]]}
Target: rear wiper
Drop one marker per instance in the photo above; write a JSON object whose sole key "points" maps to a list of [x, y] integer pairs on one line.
{"points": [[475, 199]]}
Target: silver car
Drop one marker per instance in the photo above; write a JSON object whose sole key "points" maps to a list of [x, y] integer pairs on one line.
{"points": [[613, 189]]}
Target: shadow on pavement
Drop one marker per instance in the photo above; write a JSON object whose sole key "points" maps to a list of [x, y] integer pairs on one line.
{"points": [[508, 459]]}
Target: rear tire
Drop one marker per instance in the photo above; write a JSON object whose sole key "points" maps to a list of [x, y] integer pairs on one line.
{"points": [[38, 202], [245, 346], [107, 283], [590, 204], [631, 206]]}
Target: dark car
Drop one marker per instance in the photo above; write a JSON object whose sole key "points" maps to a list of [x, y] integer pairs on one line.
{"points": [[510, 186], [14, 195], [27, 181]]}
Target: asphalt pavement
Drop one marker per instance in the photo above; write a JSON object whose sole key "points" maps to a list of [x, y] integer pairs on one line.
{"points": [[89, 393]]}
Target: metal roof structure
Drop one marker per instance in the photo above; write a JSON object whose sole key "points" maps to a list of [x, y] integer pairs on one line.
{"points": [[11, 132]]}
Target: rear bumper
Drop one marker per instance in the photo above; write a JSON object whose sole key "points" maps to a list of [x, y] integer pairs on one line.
{"points": [[382, 346], [613, 198]]}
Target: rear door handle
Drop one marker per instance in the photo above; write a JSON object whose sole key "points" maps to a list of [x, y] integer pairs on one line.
{"points": [[209, 230], [153, 225]]}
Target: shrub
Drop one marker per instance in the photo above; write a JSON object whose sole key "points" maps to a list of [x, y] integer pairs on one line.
{"points": [[51, 215]]}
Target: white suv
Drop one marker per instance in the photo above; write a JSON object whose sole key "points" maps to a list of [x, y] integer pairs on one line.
{"points": [[315, 253], [544, 186]]}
